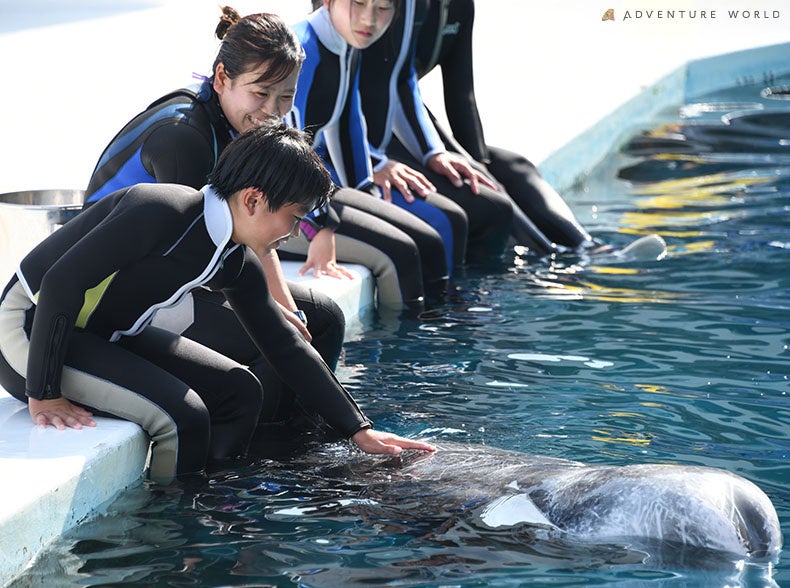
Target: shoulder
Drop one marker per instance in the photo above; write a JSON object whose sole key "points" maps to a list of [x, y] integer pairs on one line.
{"points": [[158, 201]]}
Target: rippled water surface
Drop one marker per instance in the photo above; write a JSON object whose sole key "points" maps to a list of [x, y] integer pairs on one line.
{"points": [[602, 360]]}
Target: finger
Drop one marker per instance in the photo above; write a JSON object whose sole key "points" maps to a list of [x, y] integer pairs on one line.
{"points": [[386, 191], [334, 272], [474, 184], [346, 273], [401, 184], [305, 333], [414, 444], [304, 269], [72, 422], [486, 181], [57, 422], [453, 175], [421, 184]]}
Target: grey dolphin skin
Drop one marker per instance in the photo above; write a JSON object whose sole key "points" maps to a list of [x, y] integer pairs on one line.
{"points": [[687, 507]]}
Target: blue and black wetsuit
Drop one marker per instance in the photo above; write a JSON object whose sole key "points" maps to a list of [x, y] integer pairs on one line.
{"points": [[75, 322], [400, 126], [177, 139], [443, 38], [327, 104]]}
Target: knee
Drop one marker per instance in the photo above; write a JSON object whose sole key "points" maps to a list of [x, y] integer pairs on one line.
{"points": [[246, 389]]}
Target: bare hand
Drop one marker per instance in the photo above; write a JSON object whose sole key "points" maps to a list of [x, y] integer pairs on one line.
{"points": [[294, 320], [60, 413], [404, 179], [321, 257], [456, 168], [372, 441]]}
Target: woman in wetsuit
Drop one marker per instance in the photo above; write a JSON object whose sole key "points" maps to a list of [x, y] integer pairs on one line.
{"points": [[177, 139], [75, 334]]}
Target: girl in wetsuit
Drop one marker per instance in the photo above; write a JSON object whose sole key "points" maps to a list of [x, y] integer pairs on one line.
{"points": [[177, 139], [440, 35], [75, 334]]}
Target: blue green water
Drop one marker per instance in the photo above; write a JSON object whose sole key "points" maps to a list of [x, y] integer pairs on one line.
{"points": [[684, 360]]}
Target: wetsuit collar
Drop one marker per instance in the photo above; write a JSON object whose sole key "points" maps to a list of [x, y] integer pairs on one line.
{"points": [[327, 33], [219, 221]]}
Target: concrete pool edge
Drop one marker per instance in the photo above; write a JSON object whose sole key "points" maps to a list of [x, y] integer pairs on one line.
{"points": [[569, 165], [46, 499]]}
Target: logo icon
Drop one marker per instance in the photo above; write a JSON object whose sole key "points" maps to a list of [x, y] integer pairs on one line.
{"points": [[608, 15]]}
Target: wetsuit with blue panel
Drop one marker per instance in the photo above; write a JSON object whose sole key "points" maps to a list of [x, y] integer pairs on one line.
{"points": [[177, 139], [327, 104], [399, 125], [75, 323]]}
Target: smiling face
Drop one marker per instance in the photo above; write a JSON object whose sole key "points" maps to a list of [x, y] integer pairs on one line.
{"points": [[361, 22], [249, 101]]}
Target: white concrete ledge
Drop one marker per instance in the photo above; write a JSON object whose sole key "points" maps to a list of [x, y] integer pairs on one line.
{"points": [[52, 480]]}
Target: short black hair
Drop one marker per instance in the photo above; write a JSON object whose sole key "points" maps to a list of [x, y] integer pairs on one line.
{"points": [[277, 160]]}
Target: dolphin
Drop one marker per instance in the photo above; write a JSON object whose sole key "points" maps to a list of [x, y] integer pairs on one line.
{"points": [[490, 490]]}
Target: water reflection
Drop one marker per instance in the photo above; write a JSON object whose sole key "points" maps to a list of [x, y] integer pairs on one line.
{"points": [[683, 360]]}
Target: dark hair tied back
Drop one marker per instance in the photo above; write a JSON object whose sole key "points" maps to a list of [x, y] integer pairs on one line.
{"points": [[229, 18], [257, 39]]}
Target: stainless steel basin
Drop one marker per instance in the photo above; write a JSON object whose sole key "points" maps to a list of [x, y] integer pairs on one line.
{"points": [[28, 217]]}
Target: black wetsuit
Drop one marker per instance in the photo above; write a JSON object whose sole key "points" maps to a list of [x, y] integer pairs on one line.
{"points": [[399, 126], [177, 139], [74, 321], [443, 38]]}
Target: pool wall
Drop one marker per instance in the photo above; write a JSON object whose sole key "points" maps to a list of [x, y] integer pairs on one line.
{"points": [[52, 479], [569, 165]]}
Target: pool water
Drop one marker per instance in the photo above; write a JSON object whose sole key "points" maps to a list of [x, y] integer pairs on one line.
{"points": [[602, 360]]}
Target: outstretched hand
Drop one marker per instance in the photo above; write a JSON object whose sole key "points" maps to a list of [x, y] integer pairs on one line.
{"points": [[372, 441], [60, 413]]}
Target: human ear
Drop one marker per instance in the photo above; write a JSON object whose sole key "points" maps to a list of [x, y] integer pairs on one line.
{"points": [[221, 78], [251, 199]]}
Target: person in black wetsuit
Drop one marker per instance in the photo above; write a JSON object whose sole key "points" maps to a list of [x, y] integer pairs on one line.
{"points": [[443, 38], [75, 333], [177, 139], [439, 33]]}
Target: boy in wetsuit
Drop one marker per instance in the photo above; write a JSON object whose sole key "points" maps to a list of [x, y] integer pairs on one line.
{"points": [[75, 334]]}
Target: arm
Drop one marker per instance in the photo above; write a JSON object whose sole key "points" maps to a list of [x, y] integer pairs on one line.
{"points": [[298, 364], [278, 287], [459, 92], [295, 361]]}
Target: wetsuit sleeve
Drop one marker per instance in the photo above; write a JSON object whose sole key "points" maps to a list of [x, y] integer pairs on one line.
{"points": [[412, 124], [459, 91], [324, 217], [178, 153], [91, 255], [296, 362]]}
